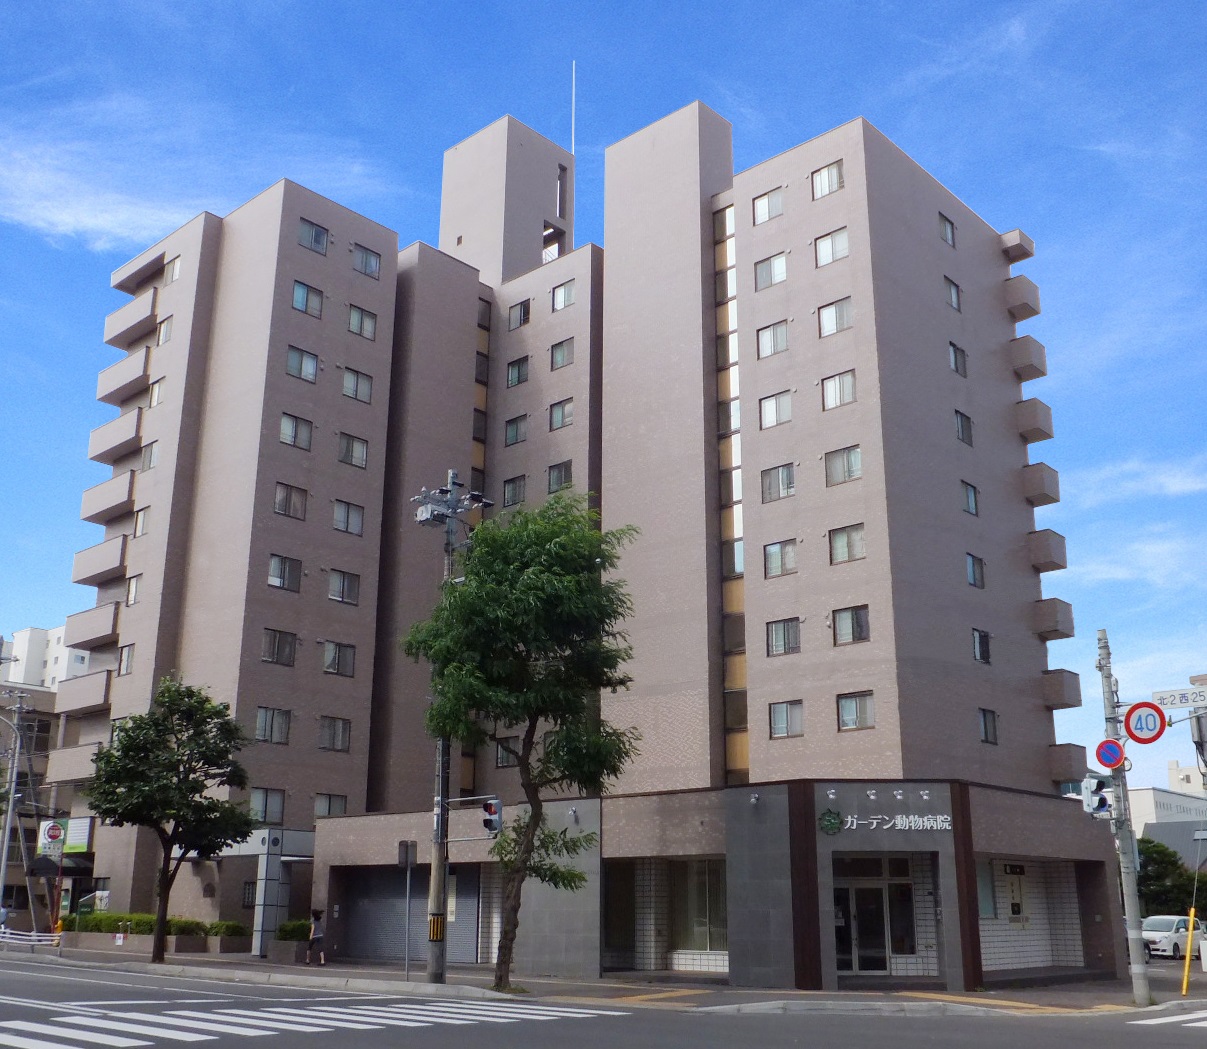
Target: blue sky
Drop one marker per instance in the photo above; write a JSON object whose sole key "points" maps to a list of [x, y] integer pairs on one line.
{"points": [[1084, 123]]}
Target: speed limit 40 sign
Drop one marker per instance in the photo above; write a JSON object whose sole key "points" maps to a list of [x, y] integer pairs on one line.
{"points": [[1144, 722]]}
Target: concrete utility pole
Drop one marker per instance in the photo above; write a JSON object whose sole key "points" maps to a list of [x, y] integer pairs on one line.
{"points": [[441, 508], [10, 784], [1125, 837]]}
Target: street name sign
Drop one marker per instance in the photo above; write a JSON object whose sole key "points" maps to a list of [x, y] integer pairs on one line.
{"points": [[1181, 697]]}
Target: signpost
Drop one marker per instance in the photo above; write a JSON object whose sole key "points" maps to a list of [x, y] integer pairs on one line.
{"points": [[1181, 697], [1109, 753], [1144, 722]]}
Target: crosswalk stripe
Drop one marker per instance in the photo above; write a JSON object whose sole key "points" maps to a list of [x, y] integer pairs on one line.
{"points": [[110, 1024], [309, 1014], [255, 1019], [83, 1036], [231, 1027], [376, 1017], [452, 1016], [555, 1010], [1177, 1019], [376, 1012], [17, 1042], [525, 1012]]}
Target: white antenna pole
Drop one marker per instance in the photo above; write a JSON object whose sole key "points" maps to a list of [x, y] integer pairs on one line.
{"points": [[573, 100]]}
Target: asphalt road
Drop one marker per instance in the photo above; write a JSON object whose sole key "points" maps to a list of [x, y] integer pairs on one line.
{"points": [[53, 1006]]}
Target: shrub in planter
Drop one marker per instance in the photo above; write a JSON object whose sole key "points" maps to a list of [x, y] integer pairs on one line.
{"points": [[297, 929], [186, 927], [227, 929]]}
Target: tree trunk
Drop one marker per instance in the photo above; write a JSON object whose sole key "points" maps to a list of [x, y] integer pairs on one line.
{"points": [[163, 886], [512, 888]]}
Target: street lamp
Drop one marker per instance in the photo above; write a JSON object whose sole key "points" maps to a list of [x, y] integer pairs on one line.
{"points": [[10, 801], [442, 508]]}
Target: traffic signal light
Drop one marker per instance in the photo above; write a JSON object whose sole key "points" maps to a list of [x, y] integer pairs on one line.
{"points": [[1093, 795], [493, 819]]}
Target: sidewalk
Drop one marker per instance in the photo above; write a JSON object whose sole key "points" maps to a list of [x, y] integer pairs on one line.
{"points": [[659, 990]]}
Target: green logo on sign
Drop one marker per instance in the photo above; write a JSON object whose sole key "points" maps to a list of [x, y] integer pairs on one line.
{"points": [[830, 822]]}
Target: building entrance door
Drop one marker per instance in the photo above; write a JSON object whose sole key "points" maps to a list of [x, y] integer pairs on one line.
{"points": [[860, 929]]}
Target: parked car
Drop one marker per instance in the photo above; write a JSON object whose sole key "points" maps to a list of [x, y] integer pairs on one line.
{"points": [[1165, 935]]}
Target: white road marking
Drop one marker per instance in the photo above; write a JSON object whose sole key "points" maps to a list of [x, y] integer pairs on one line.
{"points": [[106, 1003], [110, 1024], [378, 1016], [254, 1019], [415, 1013], [1178, 1019], [308, 1014], [17, 1042], [201, 1025], [454, 1014], [83, 1036]]}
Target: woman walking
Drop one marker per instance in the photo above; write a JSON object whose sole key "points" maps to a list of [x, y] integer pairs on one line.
{"points": [[316, 937]]}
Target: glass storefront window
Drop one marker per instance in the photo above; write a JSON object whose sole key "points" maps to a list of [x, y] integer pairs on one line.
{"points": [[699, 921]]}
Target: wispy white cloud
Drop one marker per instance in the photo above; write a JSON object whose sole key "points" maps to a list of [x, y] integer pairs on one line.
{"points": [[959, 56], [110, 172], [1162, 557], [1136, 478]]}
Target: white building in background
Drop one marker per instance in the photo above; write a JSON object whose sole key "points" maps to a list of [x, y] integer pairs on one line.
{"points": [[1186, 779], [1155, 805], [39, 658]]}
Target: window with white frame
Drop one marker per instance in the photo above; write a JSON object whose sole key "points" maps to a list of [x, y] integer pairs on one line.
{"points": [[964, 427], [957, 358], [358, 385], [366, 261], [768, 206], [770, 271], [141, 520], [988, 719], [335, 733], [296, 431], [125, 660], [561, 413], [972, 498], [953, 293], [150, 456], [362, 322], [855, 710], [289, 501], [779, 558], [519, 314], [163, 331], [783, 636], [307, 299], [517, 371], [947, 229], [827, 180], [513, 490], [312, 236], [561, 354], [563, 296], [561, 475], [154, 393], [507, 752], [832, 247], [835, 317], [339, 658], [267, 806], [343, 587], [843, 464], [838, 389], [846, 544], [272, 725], [786, 719], [279, 646], [301, 364], [851, 625], [775, 410], [980, 645], [778, 482], [515, 430], [285, 573], [171, 272], [132, 584], [349, 517], [772, 339], [353, 450], [330, 805], [975, 570]]}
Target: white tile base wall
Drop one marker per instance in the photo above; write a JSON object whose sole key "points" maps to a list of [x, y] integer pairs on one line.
{"points": [[698, 961], [490, 911], [925, 961], [1048, 932]]}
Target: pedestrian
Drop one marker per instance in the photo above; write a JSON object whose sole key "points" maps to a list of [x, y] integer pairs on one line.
{"points": [[316, 938], [3, 920]]}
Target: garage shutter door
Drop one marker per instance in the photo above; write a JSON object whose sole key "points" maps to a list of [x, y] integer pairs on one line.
{"points": [[377, 915]]}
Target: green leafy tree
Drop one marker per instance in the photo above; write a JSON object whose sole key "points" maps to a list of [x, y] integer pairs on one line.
{"points": [[161, 771], [520, 649], [1164, 884]]}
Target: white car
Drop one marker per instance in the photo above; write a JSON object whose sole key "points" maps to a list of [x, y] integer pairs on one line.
{"points": [[1165, 935]]}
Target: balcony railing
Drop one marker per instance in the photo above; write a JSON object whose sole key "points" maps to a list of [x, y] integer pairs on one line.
{"points": [[1034, 419], [99, 563], [109, 499], [135, 318], [1041, 484], [1022, 298], [1047, 550], [1053, 618], [125, 378], [93, 628], [1028, 358], [1061, 690], [116, 438], [86, 694]]}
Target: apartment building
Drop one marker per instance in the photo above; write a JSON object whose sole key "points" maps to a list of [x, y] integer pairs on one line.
{"points": [[802, 382]]}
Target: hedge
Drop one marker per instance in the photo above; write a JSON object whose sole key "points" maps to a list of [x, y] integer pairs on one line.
{"points": [[139, 924], [227, 929], [297, 929]]}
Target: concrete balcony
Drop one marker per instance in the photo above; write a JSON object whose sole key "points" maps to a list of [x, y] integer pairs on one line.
{"points": [[1041, 484], [91, 629], [127, 278], [98, 563], [125, 378], [118, 437], [73, 764], [1047, 550], [1052, 619], [1028, 358], [134, 319], [86, 694], [1016, 245], [1022, 298], [109, 499], [1066, 761], [1061, 690], [1034, 420]]}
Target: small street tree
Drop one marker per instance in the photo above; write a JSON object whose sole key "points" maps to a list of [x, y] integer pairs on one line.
{"points": [[160, 772], [1164, 883], [520, 649]]}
